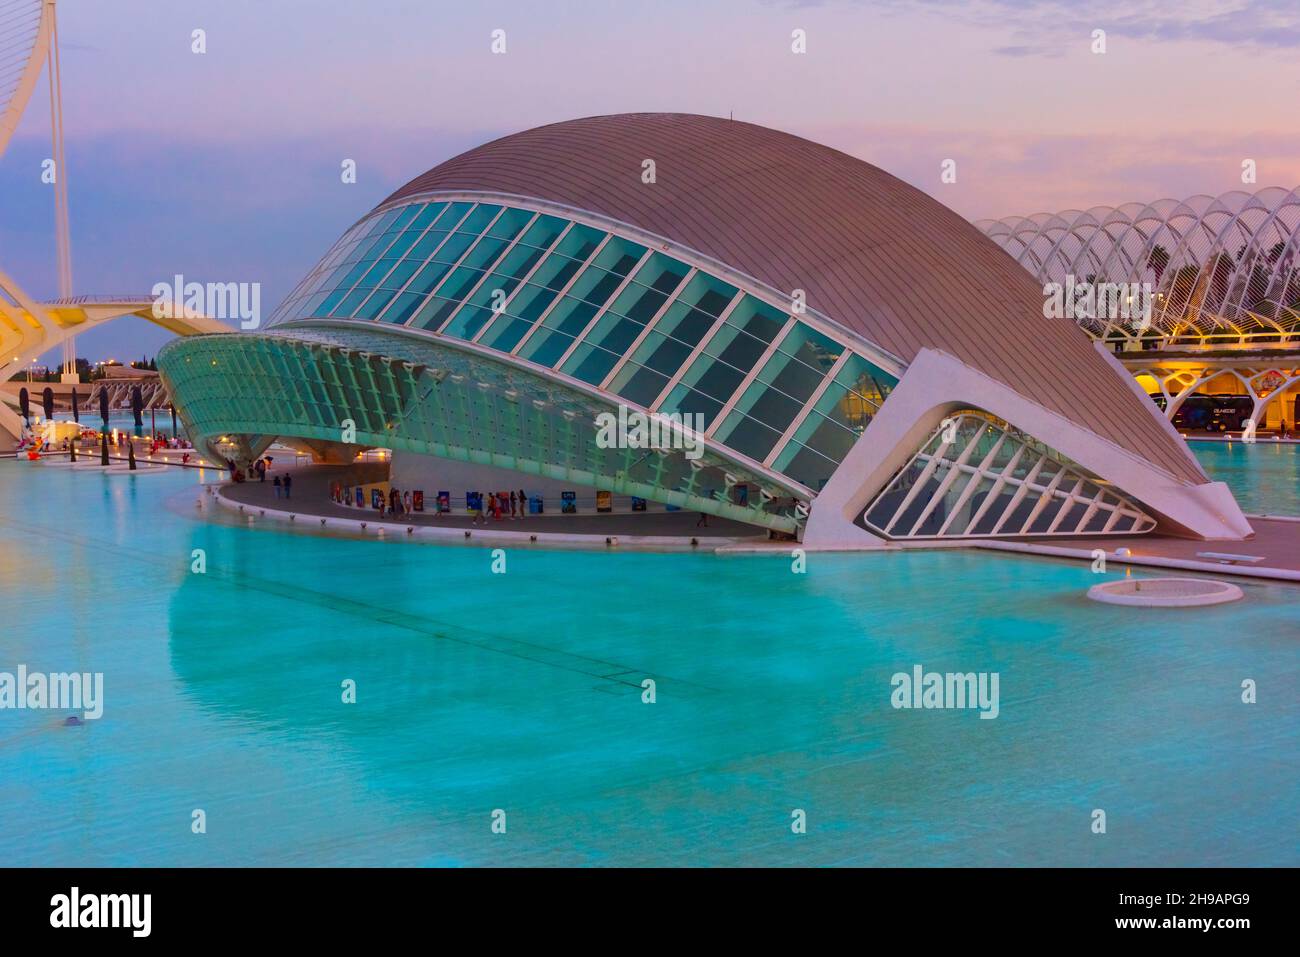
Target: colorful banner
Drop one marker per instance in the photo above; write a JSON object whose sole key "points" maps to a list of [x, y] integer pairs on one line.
{"points": [[569, 503], [604, 502], [444, 502], [417, 500], [638, 504], [473, 502]]}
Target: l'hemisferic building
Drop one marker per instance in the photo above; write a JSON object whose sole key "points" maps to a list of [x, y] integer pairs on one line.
{"points": [[864, 362]]}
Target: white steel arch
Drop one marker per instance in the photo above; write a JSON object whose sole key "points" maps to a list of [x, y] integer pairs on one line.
{"points": [[25, 29], [1224, 269]]}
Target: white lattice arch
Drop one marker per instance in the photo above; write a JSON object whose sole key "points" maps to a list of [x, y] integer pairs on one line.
{"points": [[1230, 270]]}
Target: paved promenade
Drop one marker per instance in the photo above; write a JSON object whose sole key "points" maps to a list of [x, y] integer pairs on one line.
{"points": [[311, 497]]}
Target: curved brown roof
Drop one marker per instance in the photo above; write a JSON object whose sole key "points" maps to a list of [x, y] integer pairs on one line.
{"points": [[874, 254]]}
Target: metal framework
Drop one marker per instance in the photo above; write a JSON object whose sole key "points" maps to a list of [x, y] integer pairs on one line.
{"points": [[597, 302], [153, 395], [29, 328], [1224, 270], [976, 477], [416, 393], [25, 31]]}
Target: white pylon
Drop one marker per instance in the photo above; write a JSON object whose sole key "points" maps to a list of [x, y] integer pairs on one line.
{"points": [[62, 231]]}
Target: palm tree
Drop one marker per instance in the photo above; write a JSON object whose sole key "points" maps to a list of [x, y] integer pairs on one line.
{"points": [[1158, 261]]}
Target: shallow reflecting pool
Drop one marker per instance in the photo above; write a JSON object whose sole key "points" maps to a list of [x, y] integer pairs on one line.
{"points": [[523, 692]]}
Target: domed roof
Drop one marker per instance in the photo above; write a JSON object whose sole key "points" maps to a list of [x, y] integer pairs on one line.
{"points": [[873, 254]]}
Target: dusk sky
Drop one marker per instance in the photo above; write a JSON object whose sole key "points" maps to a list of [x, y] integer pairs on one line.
{"points": [[224, 166]]}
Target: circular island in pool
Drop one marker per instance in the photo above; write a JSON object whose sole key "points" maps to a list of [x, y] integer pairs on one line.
{"points": [[1165, 592]]}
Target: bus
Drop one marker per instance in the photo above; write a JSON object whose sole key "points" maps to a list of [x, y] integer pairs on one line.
{"points": [[1211, 413]]}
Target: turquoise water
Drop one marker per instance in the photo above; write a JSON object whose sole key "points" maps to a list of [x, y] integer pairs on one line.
{"points": [[522, 692], [1265, 476]]}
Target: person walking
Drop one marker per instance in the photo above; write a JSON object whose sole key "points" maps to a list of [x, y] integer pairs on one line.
{"points": [[288, 485], [276, 483]]}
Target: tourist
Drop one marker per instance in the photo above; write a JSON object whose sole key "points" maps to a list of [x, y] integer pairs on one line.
{"points": [[476, 513], [288, 482], [523, 505], [276, 483], [406, 503], [513, 516], [702, 520], [261, 470]]}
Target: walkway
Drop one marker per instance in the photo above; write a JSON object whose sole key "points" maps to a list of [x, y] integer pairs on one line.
{"points": [[655, 530]]}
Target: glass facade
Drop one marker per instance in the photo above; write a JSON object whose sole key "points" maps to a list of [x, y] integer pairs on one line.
{"points": [[598, 307]]}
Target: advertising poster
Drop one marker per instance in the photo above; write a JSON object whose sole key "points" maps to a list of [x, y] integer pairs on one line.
{"points": [[568, 503], [535, 505], [638, 504], [417, 500], [444, 503], [376, 498], [604, 502], [361, 497], [473, 502]]}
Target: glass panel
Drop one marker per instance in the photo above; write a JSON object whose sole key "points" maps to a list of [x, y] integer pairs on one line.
{"points": [[545, 348], [402, 307], [748, 436], [619, 256], [713, 377], [485, 252], [639, 303], [708, 294], [467, 322], [638, 384], [816, 351], [805, 466], [479, 218], [429, 276], [427, 215], [375, 303], [544, 231], [614, 333], [454, 247], [590, 364], [509, 223], [555, 271], [661, 273], [401, 273], [595, 285], [580, 242], [685, 399]]}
